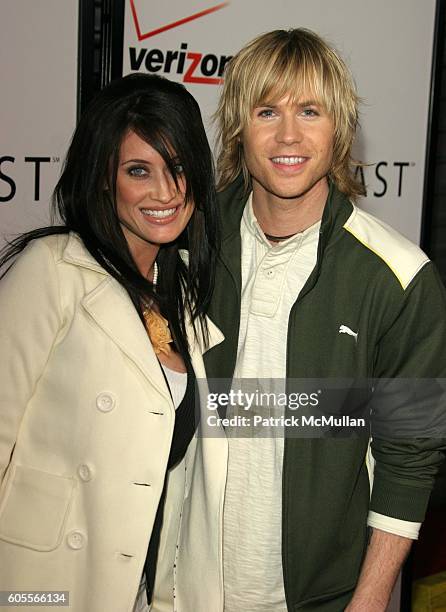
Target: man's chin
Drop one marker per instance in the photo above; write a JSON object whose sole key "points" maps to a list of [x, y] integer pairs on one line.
{"points": [[293, 192]]}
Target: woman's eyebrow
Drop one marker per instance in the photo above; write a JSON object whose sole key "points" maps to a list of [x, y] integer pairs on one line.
{"points": [[134, 161]]}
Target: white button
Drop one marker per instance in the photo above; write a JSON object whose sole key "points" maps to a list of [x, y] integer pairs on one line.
{"points": [[85, 473], [105, 402], [76, 540], [269, 272]]}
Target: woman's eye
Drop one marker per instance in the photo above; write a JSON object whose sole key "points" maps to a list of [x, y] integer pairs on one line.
{"points": [[179, 168], [137, 171]]}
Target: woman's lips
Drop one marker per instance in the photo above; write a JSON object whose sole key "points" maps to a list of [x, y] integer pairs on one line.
{"points": [[160, 216]]}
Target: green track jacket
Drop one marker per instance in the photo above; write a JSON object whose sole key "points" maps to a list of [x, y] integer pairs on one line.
{"points": [[376, 282]]}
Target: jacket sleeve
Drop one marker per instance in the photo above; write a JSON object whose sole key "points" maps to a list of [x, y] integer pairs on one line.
{"points": [[411, 359], [30, 316]]}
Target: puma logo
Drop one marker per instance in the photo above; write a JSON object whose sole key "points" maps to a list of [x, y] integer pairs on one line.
{"points": [[346, 330]]}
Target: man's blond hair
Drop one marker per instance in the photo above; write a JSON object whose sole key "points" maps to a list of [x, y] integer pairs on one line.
{"points": [[277, 64]]}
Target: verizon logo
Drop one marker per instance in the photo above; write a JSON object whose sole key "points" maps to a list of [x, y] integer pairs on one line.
{"points": [[195, 67], [143, 35]]}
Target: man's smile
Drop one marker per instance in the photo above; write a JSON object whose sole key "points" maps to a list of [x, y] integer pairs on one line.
{"points": [[288, 160]]}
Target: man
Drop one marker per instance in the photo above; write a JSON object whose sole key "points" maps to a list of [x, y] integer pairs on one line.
{"points": [[309, 286]]}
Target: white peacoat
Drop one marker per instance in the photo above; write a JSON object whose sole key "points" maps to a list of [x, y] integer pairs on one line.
{"points": [[86, 421]]}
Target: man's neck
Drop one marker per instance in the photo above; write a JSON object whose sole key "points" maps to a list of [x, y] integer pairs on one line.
{"points": [[286, 216]]}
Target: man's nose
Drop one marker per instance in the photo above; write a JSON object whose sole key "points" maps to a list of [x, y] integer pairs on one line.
{"points": [[289, 130]]}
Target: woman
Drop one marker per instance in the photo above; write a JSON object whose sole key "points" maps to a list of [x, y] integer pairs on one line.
{"points": [[101, 323]]}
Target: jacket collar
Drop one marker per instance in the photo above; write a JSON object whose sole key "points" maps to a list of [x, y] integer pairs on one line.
{"points": [[232, 203], [233, 200], [337, 210], [117, 306], [76, 253]]}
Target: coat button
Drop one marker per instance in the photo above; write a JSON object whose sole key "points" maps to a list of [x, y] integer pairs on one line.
{"points": [[76, 540], [84, 472], [105, 402]]}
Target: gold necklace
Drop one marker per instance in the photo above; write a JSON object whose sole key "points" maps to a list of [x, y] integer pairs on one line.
{"points": [[156, 325]]}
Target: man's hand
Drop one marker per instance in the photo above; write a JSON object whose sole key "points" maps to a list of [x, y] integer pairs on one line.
{"points": [[385, 556]]}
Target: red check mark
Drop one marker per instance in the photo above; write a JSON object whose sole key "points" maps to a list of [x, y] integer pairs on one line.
{"points": [[174, 24]]}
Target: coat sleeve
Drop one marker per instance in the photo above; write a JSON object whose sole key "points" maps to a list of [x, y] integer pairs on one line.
{"points": [[30, 317], [410, 369]]}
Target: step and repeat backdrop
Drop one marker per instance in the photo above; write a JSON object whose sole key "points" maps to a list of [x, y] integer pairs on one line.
{"points": [[388, 46], [38, 73]]}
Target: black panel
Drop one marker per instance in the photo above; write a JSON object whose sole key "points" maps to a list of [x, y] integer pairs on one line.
{"points": [[101, 39], [433, 230]]}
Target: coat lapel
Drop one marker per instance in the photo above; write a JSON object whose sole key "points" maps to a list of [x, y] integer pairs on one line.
{"points": [[109, 305], [198, 347], [111, 308]]}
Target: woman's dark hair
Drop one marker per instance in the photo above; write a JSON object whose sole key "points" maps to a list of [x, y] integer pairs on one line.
{"points": [[165, 115]]}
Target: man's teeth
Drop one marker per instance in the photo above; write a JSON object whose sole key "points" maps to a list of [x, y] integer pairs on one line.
{"points": [[159, 213], [288, 160]]}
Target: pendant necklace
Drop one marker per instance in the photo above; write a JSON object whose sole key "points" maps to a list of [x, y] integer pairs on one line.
{"points": [[156, 325]]}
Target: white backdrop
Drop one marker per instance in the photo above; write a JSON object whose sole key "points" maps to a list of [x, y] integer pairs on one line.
{"points": [[388, 46], [38, 72]]}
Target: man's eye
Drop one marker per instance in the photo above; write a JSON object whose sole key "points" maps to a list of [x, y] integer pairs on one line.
{"points": [[266, 112], [310, 112], [179, 168], [137, 171]]}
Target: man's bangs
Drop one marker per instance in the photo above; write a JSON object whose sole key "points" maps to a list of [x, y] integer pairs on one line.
{"points": [[296, 79], [307, 81]]}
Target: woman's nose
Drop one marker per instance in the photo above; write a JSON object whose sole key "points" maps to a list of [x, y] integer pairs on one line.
{"points": [[163, 188]]}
